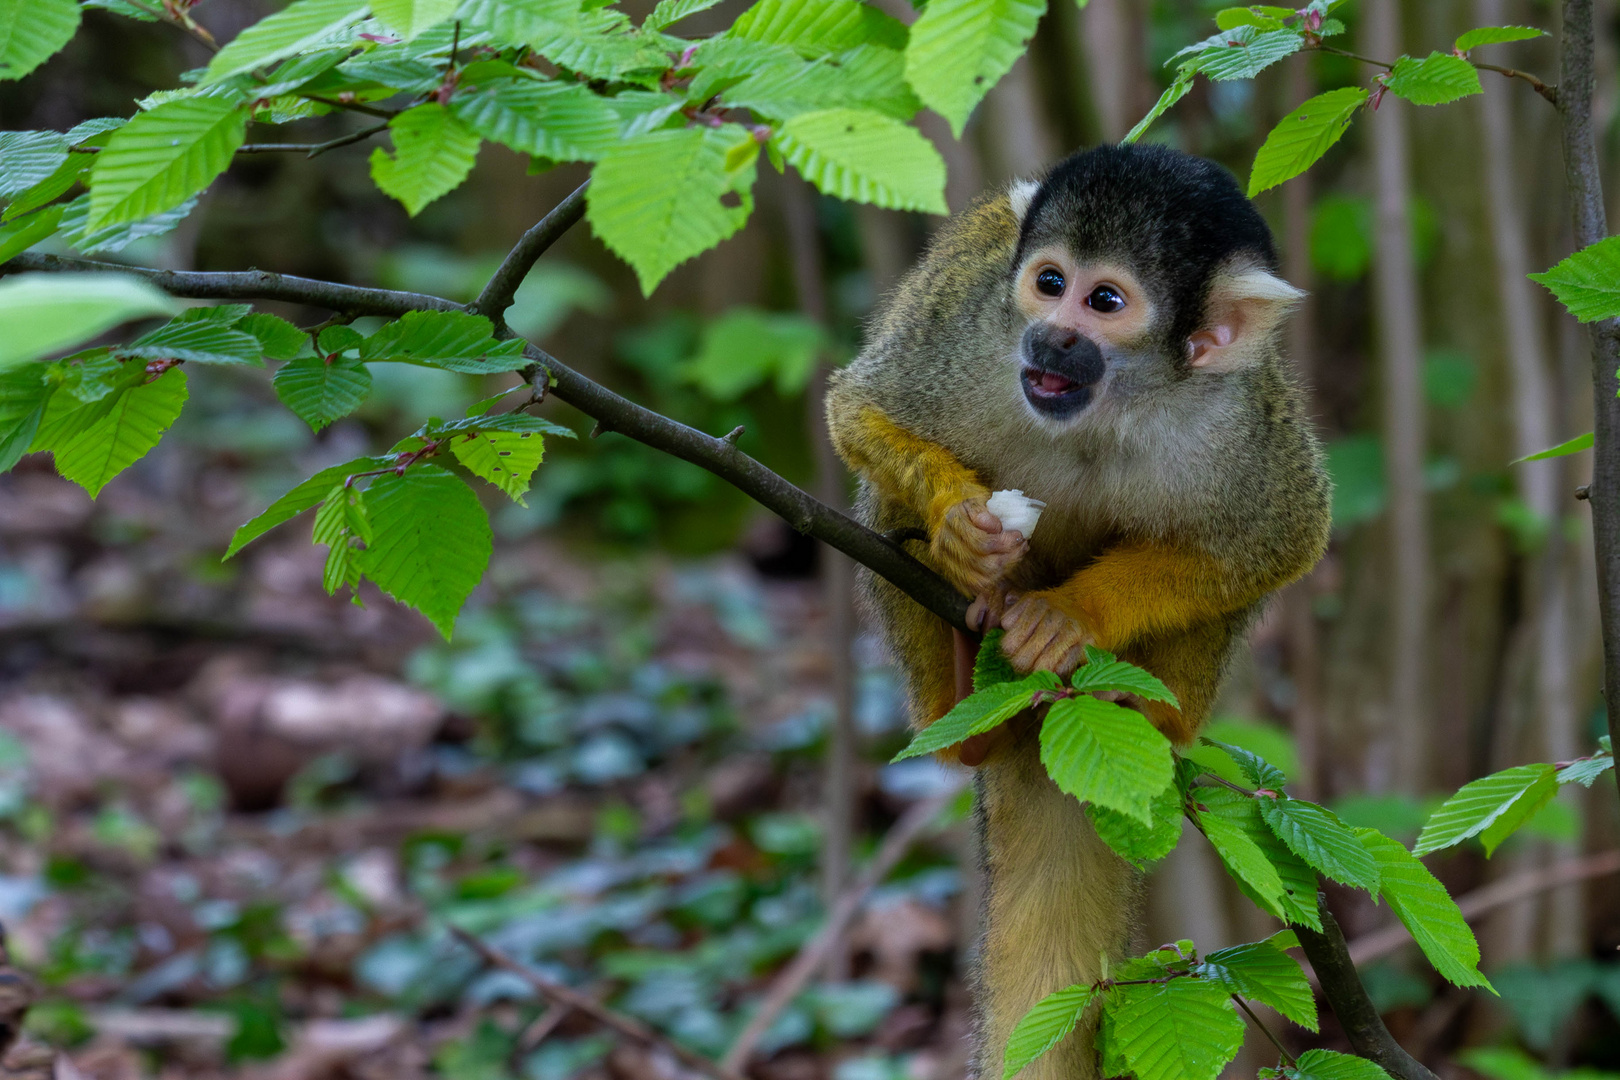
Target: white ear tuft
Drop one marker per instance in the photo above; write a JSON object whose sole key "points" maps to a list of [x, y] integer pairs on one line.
{"points": [[1244, 310], [1020, 194]]}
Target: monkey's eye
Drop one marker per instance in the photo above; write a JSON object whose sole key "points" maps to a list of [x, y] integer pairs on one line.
{"points": [[1050, 282], [1106, 299]]}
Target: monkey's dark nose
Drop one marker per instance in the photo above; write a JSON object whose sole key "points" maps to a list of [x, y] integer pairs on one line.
{"points": [[1061, 366]]}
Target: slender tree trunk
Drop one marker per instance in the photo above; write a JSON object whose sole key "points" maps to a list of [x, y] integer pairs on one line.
{"points": [[1533, 392], [1304, 647], [1105, 37], [1404, 743], [1575, 84], [1022, 142], [838, 572]]}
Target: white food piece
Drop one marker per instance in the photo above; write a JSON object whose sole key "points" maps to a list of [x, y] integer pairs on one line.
{"points": [[1017, 511]]}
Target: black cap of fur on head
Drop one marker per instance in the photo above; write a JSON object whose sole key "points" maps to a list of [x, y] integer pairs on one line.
{"points": [[1171, 218]]}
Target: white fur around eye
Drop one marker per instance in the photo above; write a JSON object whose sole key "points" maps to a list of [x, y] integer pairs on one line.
{"points": [[1020, 195]]}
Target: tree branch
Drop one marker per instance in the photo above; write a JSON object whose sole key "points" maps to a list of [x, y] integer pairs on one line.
{"points": [[246, 285], [1576, 78], [797, 974], [1368, 1036], [1548, 92], [610, 410], [503, 284], [627, 1026]]}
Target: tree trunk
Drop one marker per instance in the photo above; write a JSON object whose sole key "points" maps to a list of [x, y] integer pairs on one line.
{"points": [[1400, 755]]}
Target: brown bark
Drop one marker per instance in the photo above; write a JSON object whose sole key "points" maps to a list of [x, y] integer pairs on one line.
{"points": [[1403, 745]]}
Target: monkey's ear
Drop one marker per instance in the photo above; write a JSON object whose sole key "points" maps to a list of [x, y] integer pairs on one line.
{"points": [[1244, 309], [1020, 194]]}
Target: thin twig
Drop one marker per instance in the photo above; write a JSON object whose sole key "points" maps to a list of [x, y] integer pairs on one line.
{"points": [[1355, 56], [312, 149], [352, 106], [793, 978], [1546, 91], [627, 1026], [1509, 890], [1281, 1049], [497, 294]]}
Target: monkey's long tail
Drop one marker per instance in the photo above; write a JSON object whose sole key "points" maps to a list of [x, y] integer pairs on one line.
{"points": [[1056, 900]]}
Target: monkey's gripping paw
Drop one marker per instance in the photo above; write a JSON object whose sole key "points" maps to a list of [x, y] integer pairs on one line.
{"points": [[986, 610], [971, 548], [1042, 638]]}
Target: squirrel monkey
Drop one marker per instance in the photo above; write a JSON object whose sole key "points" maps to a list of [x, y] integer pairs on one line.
{"points": [[1105, 340]]}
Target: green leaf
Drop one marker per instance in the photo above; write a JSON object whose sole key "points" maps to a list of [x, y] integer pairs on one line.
{"points": [[341, 524], [1248, 59], [1225, 819], [433, 153], [163, 157], [1316, 835], [601, 44], [1103, 672], [1053, 1017], [28, 158], [1134, 842], [319, 390], [1585, 770], [978, 713], [294, 29], [24, 393], [516, 22], [746, 348], [1172, 94], [45, 313], [1436, 79], [959, 49], [506, 459], [311, 492], [1563, 449], [1495, 35], [32, 31], [1262, 866], [1261, 971], [867, 77], [1332, 1065], [452, 340], [1492, 808], [430, 541], [864, 156], [1261, 19], [1181, 1029], [134, 424], [991, 666], [657, 200], [818, 27], [410, 17], [196, 342], [673, 11], [554, 120], [1260, 772], [1426, 910], [1588, 282], [19, 236], [1303, 136], [1104, 753], [278, 338], [76, 216]]}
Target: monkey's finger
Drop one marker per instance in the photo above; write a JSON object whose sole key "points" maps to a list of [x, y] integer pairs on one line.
{"points": [[981, 614], [982, 518], [1041, 635], [1061, 657]]}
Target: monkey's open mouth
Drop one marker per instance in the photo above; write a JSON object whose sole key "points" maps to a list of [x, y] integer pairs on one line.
{"points": [[1053, 393]]}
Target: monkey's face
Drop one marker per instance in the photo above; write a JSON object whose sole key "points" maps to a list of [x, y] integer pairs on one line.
{"points": [[1083, 318]]}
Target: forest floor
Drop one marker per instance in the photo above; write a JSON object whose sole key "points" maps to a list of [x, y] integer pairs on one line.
{"points": [[237, 816]]}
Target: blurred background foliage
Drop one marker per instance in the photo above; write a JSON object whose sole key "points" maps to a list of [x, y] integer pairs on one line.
{"points": [[235, 810]]}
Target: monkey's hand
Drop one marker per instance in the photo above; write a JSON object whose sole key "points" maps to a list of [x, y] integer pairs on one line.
{"points": [[972, 550], [1043, 637]]}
